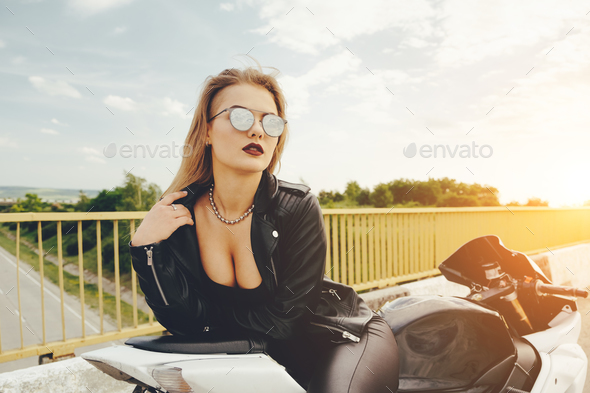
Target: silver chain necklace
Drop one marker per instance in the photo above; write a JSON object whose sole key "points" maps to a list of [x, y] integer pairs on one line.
{"points": [[219, 216]]}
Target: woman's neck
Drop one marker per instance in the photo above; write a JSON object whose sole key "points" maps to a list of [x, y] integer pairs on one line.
{"points": [[233, 192]]}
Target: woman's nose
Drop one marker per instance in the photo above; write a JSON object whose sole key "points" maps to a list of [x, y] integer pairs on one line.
{"points": [[256, 129]]}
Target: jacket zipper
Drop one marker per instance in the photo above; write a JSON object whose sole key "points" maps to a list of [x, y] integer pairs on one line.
{"points": [[151, 263], [333, 292], [345, 333], [274, 271]]}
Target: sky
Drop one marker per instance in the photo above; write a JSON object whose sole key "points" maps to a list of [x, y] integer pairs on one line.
{"points": [[372, 88]]}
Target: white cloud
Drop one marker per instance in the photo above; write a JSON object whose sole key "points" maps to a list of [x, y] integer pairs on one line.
{"points": [[120, 29], [91, 7], [124, 104], [54, 88], [414, 42], [59, 123], [490, 73], [49, 131], [226, 6], [549, 100], [473, 31], [90, 151], [321, 25], [7, 142], [95, 159], [168, 107], [18, 60], [2, 44], [297, 89], [92, 155]]}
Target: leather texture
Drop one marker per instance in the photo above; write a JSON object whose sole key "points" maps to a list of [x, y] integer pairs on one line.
{"points": [[289, 246], [180, 344]]}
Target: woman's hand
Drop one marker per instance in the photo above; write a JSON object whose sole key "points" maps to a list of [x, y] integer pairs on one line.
{"points": [[162, 220]]}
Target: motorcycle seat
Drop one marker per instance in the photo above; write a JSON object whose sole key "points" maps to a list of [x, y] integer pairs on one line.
{"points": [[204, 345]]}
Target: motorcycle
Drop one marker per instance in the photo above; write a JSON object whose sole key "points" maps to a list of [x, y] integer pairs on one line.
{"points": [[515, 332]]}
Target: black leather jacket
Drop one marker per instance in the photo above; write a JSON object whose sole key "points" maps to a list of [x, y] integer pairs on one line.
{"points": [[289, 246]]}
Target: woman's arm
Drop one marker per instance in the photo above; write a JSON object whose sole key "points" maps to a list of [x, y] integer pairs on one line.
{"points": [[300, 281], [176, 304]]}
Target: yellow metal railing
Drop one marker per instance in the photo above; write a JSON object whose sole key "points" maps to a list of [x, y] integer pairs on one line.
{"points": [[367, 248], [67, 344], [375, 248]]}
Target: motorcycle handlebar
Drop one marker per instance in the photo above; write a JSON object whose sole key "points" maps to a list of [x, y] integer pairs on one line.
{"points": [[561, 290]]}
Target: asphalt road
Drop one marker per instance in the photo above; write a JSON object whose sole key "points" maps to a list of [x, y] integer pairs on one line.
{"points": [[31, 316]]}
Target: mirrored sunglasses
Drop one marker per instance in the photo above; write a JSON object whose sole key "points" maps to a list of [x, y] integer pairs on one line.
{"points": [[242, 119]]}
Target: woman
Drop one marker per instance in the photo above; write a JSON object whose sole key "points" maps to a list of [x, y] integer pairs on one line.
{"points": [[238, 250]]}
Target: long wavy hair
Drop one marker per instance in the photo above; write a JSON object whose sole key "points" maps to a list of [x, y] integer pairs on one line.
{"points": [[196, 165]]}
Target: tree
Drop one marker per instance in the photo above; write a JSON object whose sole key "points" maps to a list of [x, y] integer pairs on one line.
{"points": [[447, 185], [364, 197], [452, 199], [325, 197], [107, 201], [399, 190], [352, 191], [381, 195], [536, 202], [136, 195], [425, 193], [83, 205], [32, 203]]}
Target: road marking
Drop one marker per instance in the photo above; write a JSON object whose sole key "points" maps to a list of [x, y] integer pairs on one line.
{"points": [[50, 293]]}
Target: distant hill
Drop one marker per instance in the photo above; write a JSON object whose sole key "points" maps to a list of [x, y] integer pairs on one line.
{"points": [[46, 194]]}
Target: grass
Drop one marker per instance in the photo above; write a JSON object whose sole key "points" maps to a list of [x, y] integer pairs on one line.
{"points": [[71, 283]]}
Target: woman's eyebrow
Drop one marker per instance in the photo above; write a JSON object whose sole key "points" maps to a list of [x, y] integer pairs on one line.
{"points": [[240, 106]]}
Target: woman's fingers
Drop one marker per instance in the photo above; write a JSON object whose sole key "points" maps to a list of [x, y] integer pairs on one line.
{"points": [[184, 220], [170, 198]]}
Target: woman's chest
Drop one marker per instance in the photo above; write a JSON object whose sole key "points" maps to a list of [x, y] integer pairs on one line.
{"points": [[226, 250]]}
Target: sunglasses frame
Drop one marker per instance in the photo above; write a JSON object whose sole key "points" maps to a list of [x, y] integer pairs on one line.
{"points": [[231, 108]]}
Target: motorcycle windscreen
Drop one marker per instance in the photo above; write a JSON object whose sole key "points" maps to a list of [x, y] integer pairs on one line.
{"points": [[464, 266], [447, 342]]}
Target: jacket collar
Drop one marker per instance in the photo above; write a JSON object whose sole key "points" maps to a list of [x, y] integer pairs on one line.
{"points": [[265, 193]]}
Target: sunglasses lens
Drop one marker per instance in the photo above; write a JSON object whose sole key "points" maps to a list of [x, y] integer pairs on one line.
{"points": [[273, 125], [242, 119]]}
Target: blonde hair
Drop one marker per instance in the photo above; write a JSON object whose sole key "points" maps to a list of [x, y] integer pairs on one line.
{"points": [[197, 166]]}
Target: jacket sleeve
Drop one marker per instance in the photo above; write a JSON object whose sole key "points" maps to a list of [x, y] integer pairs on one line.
{"points": [[176, 303], [303, 257]]}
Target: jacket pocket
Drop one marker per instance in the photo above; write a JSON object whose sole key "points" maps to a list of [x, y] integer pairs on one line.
{"points": [[340, 310], [345, 333]]}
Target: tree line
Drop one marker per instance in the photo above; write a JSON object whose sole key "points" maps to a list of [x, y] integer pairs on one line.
{"points": [[134, 195], [443, 192]]}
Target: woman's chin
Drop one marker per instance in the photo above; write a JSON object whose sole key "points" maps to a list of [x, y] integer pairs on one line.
{"points": [[248, 166]]}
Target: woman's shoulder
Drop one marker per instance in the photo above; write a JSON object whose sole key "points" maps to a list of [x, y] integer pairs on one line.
{"points": [[293, 197], [293, 202], [299, 189]]}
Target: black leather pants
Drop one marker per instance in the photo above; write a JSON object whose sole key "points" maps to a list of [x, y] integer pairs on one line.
{"points": [[369, 366]]}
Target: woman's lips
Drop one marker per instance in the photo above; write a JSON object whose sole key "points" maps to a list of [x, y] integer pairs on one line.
{"points": [[253, 152]]}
